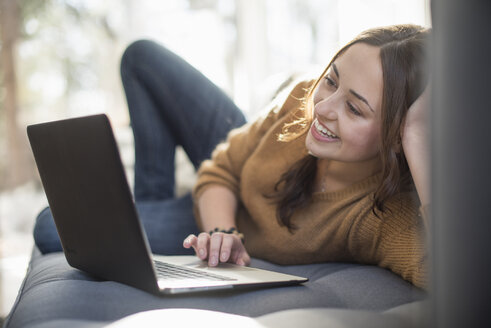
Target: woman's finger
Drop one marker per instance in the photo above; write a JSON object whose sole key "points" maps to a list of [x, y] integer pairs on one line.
{"points": [[226, 249], [243, 258], [215, 245], [238, 253], [202, 245], [190, 241], [246, 258]]}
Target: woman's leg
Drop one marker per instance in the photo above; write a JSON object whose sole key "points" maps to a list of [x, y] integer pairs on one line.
{"points": [[170, 104], [45, 235], [166, 224]]}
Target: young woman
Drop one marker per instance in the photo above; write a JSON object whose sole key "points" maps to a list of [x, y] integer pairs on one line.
{"points": [[331, 173]]}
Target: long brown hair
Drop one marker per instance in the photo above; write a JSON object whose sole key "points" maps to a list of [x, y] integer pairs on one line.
{"points": [[402, 54]]}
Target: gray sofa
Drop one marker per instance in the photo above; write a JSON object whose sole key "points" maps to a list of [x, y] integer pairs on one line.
{"points": [[337, 295]]}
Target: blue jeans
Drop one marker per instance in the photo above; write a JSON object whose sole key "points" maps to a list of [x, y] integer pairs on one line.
{"points": [[170, 104]]}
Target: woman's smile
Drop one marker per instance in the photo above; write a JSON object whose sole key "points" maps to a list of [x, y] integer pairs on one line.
{"points": [[322, 133]]}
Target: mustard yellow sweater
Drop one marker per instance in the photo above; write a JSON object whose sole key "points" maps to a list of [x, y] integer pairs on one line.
{"points": [[336, 226]]}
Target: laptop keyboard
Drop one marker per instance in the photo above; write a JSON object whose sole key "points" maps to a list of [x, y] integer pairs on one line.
{"points": [[167, 271]]}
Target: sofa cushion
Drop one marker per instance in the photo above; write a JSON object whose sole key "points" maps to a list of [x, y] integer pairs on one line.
{"points": [[54, 294]]}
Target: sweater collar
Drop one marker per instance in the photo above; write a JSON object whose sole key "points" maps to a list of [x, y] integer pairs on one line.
{"points": [[363, 187]]}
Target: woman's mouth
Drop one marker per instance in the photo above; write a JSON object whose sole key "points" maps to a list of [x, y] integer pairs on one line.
{"points": [[323, 131]]}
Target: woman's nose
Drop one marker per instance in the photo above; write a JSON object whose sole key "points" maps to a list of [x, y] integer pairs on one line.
{"points": [[328, 108]]}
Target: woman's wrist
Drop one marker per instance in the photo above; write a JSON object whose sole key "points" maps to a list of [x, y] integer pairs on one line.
{"points": [[217, 206], [416, 150], [231, 231]]}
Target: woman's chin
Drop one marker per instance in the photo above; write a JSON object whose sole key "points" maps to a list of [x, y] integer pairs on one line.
{"points": [[313, 147]]}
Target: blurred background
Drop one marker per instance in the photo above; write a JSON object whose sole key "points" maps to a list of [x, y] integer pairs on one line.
{"points": [[60, 59]]}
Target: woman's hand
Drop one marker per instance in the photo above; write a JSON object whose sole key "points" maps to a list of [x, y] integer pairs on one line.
{"points": [[219, 247], [416, 123], [415, 142]]}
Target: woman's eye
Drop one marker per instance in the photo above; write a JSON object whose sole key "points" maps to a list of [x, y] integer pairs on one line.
{"points": [[353, 109], [330, 81]]}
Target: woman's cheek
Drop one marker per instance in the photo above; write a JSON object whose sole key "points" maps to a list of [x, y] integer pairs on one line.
{"points": [[362, 137]]}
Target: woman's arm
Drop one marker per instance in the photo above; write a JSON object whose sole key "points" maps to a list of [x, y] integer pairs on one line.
{"points": [[217, 206], [397, 242], [415, 142], [394, 239], [218, 187]]}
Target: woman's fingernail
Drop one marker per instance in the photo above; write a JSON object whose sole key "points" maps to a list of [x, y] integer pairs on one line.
{"points": [[224, 256], [201, 252], [213, 260]]}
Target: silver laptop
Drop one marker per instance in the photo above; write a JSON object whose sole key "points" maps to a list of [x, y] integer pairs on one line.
{"points": [[100, 232]]}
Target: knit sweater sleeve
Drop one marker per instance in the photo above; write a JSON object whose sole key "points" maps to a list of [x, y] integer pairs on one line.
{"points": [[394, 240], [228, 158]]}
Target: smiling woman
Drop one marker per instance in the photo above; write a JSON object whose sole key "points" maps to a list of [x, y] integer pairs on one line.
{"points": [[362, 98], [342, 112], [322, 177], [352, 197]]}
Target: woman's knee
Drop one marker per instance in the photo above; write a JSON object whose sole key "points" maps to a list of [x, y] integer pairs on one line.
{"points": [[45, 234], [139, 52], [133, 53]]}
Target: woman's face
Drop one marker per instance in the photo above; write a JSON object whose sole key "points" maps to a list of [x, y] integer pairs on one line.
{"points": [[347, 104]]}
